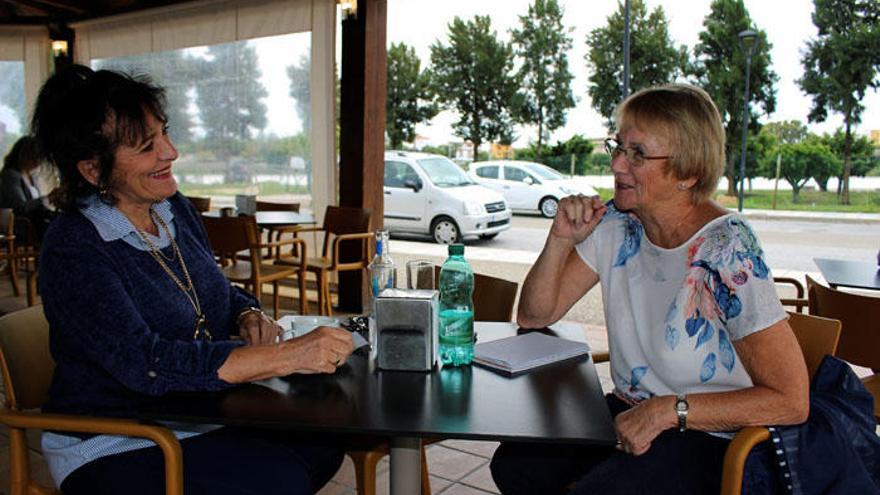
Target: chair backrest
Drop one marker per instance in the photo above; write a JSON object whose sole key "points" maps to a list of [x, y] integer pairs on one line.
{"points": [[493, 297], [799, 302], [25, 360], [272, 206], [817, 337], [229, 235], [860, 318], [201, 204], [339, 220], [7, 218]]}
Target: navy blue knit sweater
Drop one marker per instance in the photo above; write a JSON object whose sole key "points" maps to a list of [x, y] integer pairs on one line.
{"points": [[120, 330]]}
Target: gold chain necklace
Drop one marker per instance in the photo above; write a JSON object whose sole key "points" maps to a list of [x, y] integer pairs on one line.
{"points": [[189, 290]]}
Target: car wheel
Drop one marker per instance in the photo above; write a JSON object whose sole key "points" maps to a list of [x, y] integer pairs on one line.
{"points": [[488, 236], [548, 207], [445, 231]]}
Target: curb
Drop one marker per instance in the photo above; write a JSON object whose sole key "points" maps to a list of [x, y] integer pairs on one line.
{"points": [[812, 216]]}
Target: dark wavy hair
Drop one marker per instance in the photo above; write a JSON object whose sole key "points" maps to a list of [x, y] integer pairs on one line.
{"points": [[24, 155], [83, 114]]}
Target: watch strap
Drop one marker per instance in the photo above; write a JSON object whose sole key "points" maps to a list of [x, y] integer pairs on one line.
{"points": [[681, 410]]}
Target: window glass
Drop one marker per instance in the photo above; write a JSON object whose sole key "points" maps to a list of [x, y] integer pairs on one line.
{"points": [[543, 171], [396, 174], [488, 172], [443, 172], [515, 174], [238, 114], [13, 114]]}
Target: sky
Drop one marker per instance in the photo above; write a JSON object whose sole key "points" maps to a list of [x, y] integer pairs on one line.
{"points": [[420, 23]]}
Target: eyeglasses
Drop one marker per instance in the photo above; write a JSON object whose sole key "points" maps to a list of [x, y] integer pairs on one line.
{"points": [[634, 156]]}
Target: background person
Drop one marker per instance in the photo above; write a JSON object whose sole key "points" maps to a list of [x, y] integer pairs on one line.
{"points": [[694, 322], [18, 187], [137, 306]]}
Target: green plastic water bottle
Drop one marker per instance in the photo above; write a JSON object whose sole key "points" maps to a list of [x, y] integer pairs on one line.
{"points": [[456, 309]]}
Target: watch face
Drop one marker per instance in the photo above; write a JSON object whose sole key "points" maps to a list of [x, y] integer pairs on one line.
{"points": [[681, 406]]}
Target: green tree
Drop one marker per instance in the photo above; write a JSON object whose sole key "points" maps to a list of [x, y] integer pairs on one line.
{"points": [[800, 162], [786, 131], [720, 69], [472, 75], [861, 156], [840, 65], [176, 72], [542, 44], [559, 156], [409, 100], [230, 97], [299, 90], [653, 56], [12, 92]]}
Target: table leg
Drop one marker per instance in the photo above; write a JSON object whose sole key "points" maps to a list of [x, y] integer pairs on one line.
{"points": [[406, 466]]}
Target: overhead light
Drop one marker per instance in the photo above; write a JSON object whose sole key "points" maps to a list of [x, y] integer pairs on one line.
{"points": [[349, 8], [59, 48]]}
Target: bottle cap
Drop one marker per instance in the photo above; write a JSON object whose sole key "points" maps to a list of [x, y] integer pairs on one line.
{"points": [[456, 249]]}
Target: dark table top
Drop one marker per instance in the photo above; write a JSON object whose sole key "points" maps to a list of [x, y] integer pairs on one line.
{"points": [[562, 402], [276, 218], [845, 273]]}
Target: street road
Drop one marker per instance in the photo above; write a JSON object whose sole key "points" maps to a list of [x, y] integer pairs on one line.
{"points": [[789, 246]]}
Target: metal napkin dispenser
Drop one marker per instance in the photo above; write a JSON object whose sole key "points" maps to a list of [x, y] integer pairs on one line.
{"points": [[407, 324]]}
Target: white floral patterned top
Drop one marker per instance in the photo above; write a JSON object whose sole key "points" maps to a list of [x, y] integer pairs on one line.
{"points": [[673, 313]]}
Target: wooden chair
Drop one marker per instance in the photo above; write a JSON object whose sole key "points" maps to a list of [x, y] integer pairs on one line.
{"points": [[817, 337], [27, 255], [343, 226], [799, 302], [201, 204], [275, 233], [7, 243], [229, 235], [860, 333], [494, 299], [27, 368]]}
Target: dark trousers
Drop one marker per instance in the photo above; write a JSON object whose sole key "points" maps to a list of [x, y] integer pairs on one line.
{"points": [[677, 463], [226, 461]]}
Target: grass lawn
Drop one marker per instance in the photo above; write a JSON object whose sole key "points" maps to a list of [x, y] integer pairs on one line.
{"points": [[860, 201]]}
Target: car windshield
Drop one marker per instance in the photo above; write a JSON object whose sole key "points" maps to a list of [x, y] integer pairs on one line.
{"points": [[444, 173], [543, 171]]}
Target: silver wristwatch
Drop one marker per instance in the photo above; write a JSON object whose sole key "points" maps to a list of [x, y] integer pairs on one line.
{"points": [[681, 409]]}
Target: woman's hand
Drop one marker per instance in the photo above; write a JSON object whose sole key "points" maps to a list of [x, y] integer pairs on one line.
{"points": [[320, 351], [637, 427], [576, 217], [257, 328]]}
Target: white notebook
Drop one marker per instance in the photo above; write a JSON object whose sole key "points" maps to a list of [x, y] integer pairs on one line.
{"points": [[528, 351]]}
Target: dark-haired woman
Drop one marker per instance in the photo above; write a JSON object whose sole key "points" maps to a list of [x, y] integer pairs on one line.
{"points": [[18, 187], [138, 308]]}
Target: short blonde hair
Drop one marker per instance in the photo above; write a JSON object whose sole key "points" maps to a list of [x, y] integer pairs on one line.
{"points": [[686, 117]]}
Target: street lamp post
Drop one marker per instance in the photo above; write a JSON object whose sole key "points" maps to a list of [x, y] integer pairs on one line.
{"points": [[625, 82], [749, 41]]}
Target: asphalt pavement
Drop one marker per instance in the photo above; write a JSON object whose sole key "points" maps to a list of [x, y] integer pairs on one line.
{"points": [[791, 239]]}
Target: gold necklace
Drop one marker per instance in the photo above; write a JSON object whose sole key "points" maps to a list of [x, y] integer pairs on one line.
{"points": [[189, 290]]}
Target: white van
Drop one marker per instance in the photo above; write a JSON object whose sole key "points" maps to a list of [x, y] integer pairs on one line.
{"points": [[429, 194]]}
